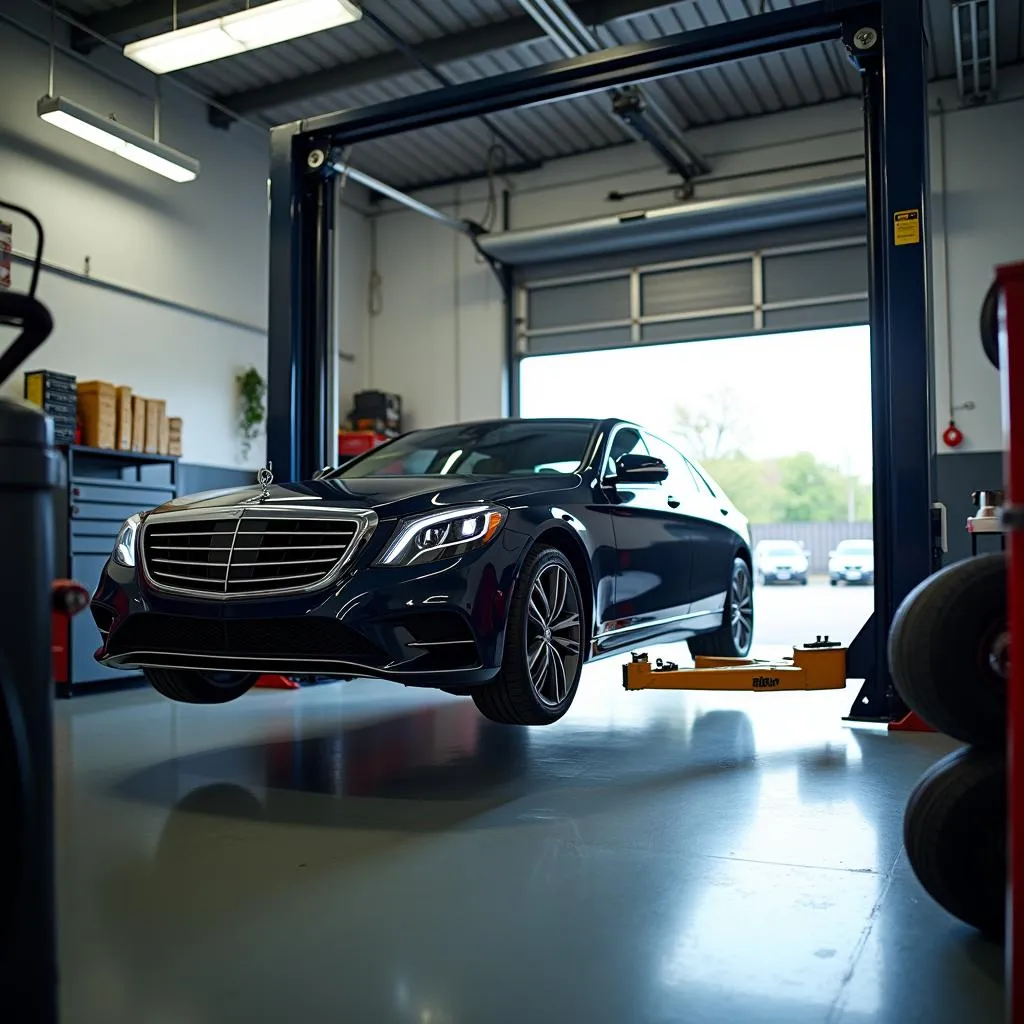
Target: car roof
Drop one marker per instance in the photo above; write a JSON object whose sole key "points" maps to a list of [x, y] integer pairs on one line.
{"points": [[499, 421]]}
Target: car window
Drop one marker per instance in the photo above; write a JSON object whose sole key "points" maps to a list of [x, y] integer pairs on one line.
{"points": [[497, 448], [625, 441], [855, 547], [678, 470], [698, 478]]}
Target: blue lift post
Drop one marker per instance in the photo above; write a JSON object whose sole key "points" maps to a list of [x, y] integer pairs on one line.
{"points": [[885, 39]]}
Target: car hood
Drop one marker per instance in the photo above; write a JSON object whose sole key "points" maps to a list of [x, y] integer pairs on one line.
{"points": [[388, 496]]}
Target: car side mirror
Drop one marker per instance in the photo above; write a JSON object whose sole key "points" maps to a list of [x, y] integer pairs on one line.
{"points": [[638, 469]]}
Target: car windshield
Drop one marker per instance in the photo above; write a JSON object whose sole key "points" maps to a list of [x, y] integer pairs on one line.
{"points": [[782, 548], [502, 448], [856, 547]]}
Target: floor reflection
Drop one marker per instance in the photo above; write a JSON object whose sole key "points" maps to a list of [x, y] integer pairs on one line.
{"points": [[373, 854]]}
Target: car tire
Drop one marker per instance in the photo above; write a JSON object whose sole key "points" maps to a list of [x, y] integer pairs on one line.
{"points": [[734, 637], [948, 649], [954, 831], [190, 686], [544, 645], [833, 583], [803, 581]]}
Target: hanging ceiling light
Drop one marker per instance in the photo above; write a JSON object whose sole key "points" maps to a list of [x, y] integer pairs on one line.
{"points": [[116, 138], [236, 33]]}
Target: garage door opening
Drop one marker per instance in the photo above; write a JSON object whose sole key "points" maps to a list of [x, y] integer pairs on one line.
{"points": [[782, 422]]}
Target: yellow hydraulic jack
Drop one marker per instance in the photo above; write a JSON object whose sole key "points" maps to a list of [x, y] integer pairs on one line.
{"points": [[817, 666]]}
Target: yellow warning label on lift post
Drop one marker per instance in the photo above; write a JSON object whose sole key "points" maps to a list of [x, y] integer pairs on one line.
{"points": [[906, 226]]}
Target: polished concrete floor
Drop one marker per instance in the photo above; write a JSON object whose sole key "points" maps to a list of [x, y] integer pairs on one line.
{"points": [[365, 853]]}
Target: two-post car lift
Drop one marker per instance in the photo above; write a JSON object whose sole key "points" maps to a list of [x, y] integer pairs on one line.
{"points": [[885, 40]]}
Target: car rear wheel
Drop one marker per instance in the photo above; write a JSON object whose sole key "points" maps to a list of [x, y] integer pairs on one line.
{"points": [[543, 654], [195, 687], [733, 638]]}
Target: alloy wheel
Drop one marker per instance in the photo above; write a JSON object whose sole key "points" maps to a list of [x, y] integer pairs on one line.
{"points": [[742, 605], [553, 635]]}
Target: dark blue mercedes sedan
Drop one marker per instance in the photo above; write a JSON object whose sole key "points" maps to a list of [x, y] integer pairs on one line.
{"points": [[486, 559]]}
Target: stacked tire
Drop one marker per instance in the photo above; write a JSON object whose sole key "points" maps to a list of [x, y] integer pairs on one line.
{"points": [[949, 658]]}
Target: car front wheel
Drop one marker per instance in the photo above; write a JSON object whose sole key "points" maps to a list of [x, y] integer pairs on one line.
{"points": [[733, 638], [196, 687], [543, 654]]}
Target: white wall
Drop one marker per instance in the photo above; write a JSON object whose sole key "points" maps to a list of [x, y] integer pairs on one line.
{"points": [[984, 227], [201, 245], [446, 357]]}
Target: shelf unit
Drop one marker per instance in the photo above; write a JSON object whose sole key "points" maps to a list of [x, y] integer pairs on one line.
{"points": [[104, 488]]}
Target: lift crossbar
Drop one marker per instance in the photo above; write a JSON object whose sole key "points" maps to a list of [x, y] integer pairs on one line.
{"points": [[818, 666]]}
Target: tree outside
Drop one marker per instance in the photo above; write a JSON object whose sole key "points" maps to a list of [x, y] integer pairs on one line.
{"points": [[789, 489]]}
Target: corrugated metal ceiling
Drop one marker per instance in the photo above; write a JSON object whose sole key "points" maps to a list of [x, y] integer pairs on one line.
{"points": [[780, 81]]}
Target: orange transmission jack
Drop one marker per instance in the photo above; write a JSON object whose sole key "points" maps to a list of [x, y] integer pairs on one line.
{"points": [[816, 666]]}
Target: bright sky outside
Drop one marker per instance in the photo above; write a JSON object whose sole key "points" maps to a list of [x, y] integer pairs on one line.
{"points": [[805, 391]]}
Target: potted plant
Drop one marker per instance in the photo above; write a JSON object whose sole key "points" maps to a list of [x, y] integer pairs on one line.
{"points": [[252, 406]]}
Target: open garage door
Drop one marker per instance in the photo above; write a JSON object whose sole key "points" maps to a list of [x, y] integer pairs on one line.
{"points": [[793, 259]]}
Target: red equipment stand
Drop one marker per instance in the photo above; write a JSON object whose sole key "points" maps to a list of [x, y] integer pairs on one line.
{"points": [[276, 683], [910, 722], [1011, 361]]}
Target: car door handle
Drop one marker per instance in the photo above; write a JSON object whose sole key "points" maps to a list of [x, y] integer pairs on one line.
{"points": [[674, 502]]}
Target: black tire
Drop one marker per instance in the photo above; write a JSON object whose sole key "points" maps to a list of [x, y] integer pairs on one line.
{"points": [[803, 581], [833, 583], [728, 641], [947, 650], [195, 687], [989, 324], [954, 832], [516, 697]]}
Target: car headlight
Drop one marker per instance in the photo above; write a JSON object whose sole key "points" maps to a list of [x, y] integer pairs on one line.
{"points": [[443, 535], [124, 546]]}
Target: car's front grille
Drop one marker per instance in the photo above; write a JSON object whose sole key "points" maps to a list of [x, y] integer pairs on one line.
{"points": [[247, 554]]}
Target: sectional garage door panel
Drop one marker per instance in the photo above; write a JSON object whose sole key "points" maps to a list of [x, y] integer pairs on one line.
{"points": [[810, 318], [585, 302], [801, 276], [694, 289], [807, 278]]}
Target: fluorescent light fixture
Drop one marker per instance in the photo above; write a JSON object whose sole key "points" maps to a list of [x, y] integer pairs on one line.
{"points": [[236, 33], [116, 138]]}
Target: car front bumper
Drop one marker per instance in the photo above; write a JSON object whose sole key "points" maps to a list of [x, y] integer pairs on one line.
{"points": [[853, 575], [442, 622]]}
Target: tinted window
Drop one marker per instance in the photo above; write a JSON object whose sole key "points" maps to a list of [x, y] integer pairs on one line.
{"points": [[698, 477], [781, 548], [678, 470], [856, 547], [625, 441], [479, 449]]}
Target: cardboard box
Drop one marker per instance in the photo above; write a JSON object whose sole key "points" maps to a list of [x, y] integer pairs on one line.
{"points": [[124, 419], [164, 442], [138, 423], [174, 439], [97, 409], [155, 408]]}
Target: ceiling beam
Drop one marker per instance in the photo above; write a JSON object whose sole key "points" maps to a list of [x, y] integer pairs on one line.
{"points": [[461, 46]]}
